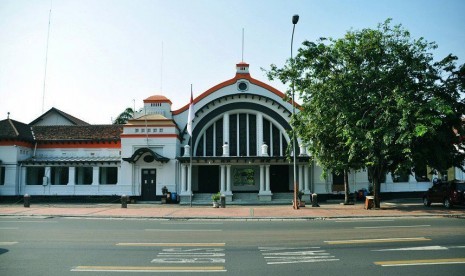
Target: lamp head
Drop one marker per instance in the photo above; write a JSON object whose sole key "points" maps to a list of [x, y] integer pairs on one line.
{"points": [[295, 19]]}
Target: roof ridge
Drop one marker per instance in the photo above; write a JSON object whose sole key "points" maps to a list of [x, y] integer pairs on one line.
{"points": [[13, 126]]}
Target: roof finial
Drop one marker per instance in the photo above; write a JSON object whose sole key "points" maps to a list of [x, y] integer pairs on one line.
{"points": [[8, 115]]}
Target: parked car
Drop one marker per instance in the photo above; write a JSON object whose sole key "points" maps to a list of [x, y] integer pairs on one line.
{"points": [[449, 193]]}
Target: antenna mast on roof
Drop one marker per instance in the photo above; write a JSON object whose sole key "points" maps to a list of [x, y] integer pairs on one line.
{"points": [[46, 56], [242, 44], [161, 70]]}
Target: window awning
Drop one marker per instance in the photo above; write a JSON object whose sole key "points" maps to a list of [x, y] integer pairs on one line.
{"points": [[138, 153], [63, 160]]}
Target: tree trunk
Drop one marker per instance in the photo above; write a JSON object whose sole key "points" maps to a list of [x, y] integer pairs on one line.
{"points": [[346, 187], [377, 187]]}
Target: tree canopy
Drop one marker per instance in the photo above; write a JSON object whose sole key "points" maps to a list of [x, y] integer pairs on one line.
{"points": [[376, 99], [124, 116]]}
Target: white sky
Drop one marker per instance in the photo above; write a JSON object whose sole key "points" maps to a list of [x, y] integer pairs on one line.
{"points": [[104, 55]]}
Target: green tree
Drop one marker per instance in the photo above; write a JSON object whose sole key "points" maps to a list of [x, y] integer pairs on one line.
{"points": [[124, 116], [376, 99]]}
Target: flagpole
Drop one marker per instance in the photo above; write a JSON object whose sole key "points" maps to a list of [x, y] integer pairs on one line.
{"points": [[190, 148]]}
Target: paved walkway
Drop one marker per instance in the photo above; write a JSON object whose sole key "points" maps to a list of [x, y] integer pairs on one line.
{"points": [[400, 208]]}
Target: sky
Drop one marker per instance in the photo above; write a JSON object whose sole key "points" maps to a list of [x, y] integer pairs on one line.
{"points": [[106, 55]]}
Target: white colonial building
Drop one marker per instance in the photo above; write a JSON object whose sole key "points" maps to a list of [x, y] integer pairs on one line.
{"points": [[238, 148]]}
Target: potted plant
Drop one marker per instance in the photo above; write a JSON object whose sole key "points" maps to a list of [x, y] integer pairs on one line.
{"points": [[216, 197], [299, 195]]}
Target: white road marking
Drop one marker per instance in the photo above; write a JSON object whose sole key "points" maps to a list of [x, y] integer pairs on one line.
{"points": [[378, 240], [422, 262], [184, 230], [363, 220], [382, 227], [170, 244], [264, 249], [148, 269], [28, 221], [190, 256], [8, 243], [420, 248], [189, 261], [192, 223], [296, 255]]}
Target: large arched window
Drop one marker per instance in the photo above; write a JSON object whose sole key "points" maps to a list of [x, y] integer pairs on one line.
{"points": [[243, 135]]}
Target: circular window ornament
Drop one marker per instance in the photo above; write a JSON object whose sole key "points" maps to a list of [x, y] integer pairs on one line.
{"points": [[149, 159], [242, 86]]}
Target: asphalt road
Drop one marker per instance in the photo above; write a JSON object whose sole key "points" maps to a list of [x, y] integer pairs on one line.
{"points": [[79, 246]]}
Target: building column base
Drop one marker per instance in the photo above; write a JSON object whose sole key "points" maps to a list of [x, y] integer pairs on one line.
{"points": [[265, 196]]}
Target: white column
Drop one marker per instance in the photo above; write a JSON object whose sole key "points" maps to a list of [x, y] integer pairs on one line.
{"points": [[262, 178], [222, 176], [189, 179], [71, 175], [228, 179], [306, 183], [226, 128], [301, 177], [95, 178], [48, 175], [259, 132], [267, 178], [183, 178]]}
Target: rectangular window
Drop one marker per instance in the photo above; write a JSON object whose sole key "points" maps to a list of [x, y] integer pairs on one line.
{"points": [[59, 175], [2, 175], [199, 151], [242, 135], [219, 137], [400, 177], [137, 130], [83, 175], [252, 135], [243, 177], [233, 135], [276, 141], [108, 175], [284, 144], [266, 133], [209, 141], [35, 175]]}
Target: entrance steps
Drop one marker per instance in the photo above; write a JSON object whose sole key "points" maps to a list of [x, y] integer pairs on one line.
{"points": [[241, 199]]}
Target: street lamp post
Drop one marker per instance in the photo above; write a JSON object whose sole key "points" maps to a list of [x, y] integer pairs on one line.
{"points": [[295, 205]]}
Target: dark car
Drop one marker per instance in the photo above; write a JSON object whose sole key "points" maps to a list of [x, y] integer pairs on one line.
{"points": [[449, 193]]}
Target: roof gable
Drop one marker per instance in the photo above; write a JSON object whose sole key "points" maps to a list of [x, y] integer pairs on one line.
{"points": [[11, 129], [57, 117]]}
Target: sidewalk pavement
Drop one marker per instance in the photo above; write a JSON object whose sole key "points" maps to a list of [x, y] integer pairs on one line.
{"points": [[328, 210]]}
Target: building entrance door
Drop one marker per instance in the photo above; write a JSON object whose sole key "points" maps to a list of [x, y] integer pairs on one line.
{"points": [[208, 178], [149, 184]]}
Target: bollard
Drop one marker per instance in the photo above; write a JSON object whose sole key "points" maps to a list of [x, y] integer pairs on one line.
{"points": [[124, 201], [27, 200], [223, 201], [315, 200]]}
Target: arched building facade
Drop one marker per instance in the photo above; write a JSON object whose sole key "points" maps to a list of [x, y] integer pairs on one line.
{"points": [[239, 147]]}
